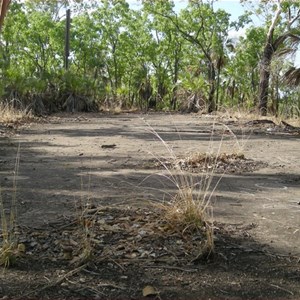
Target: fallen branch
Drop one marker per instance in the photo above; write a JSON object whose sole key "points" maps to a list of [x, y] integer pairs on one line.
{"points": [[172, 268], [55, 283], [281, 288]]}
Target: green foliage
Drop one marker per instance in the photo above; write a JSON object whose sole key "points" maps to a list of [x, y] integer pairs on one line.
{"points": [[245, 60], [147, 57]]}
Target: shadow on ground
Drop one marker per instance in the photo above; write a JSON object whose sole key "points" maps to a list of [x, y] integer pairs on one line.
{"points": [[62, 164]]}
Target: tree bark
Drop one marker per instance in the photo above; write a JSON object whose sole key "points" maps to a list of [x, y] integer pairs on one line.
{"points": [[175, 88], [3, 9], [265, 78], [265, 65], [211, 106]]}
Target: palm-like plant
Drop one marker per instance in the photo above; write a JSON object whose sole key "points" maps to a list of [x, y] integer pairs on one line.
{"points": [[292, 75]]}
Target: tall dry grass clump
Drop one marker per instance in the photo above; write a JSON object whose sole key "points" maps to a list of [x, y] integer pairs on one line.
{"points": [[190, 209], [9, 114]]}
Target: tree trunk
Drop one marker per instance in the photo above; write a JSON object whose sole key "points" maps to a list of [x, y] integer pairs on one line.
{"points": [[254, 87], [175, 79], [3, 9], [264, 79], [266, 63], [276, 97], [218, 82], [211, 107], [211, 99]]}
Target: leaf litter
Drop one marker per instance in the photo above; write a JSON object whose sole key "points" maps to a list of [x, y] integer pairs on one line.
{"points": [[201, 162], [117, 252], [120, 234]]}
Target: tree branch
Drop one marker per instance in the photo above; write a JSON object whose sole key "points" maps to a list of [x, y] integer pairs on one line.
{"points": [[274, 21], [295, 18]]}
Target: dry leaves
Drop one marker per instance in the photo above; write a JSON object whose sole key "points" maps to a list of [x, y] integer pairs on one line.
{"points": [[202, 162], [149, 291], [131, 235]]}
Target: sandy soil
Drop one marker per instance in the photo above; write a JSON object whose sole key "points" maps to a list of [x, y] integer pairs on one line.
{"points": [[110, 160]]}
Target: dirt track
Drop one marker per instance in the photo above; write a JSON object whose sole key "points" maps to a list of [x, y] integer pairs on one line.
{"points": [[109, 159]]}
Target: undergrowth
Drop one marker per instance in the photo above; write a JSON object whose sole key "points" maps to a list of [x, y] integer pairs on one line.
{"points": [[9, 114], [240, 114]]}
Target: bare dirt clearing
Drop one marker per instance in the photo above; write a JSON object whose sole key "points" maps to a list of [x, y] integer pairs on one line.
{"points": [[110, 159]]}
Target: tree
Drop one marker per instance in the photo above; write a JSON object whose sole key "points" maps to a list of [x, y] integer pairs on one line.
{"points": [[153, 57], [32, 42], [205, 29], [166, 52], [291, 15], [241, 76], [112, 20]]}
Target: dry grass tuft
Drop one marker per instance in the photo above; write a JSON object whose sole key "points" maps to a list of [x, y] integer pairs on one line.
{"points": [[10, 248], [191, 215], [9, 114], [190, 210], [244, 115], [236, 114], [184, 212], [295, 121], [86, 222]]}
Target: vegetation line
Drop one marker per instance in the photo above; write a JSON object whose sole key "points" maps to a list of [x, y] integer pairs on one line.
{"points": [[153, 57]]}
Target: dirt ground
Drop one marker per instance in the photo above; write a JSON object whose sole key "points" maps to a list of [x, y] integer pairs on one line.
{"points": [[107, 166]]}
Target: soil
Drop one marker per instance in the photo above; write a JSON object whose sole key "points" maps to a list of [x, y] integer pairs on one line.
{"points": [[91, 196]]}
